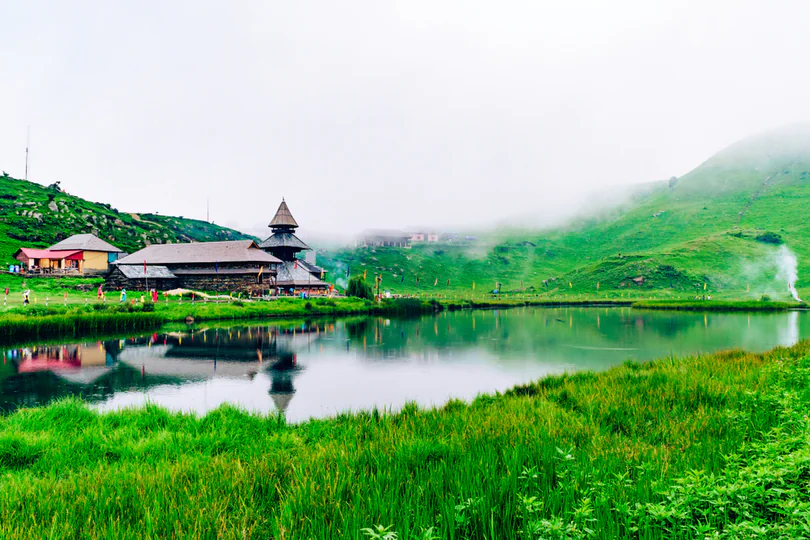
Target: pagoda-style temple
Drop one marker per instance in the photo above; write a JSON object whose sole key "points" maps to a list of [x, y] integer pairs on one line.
{"points": [[294, 275]]}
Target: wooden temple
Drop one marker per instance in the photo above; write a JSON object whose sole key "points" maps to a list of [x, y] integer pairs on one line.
{"points": [[294, 275]]}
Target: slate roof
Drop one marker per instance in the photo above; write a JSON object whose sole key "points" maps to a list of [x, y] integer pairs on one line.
{"points": [[283, 239], [85, 242], [283, 217], [240, 251], [132, 271], [313, 269], [290, 276]]}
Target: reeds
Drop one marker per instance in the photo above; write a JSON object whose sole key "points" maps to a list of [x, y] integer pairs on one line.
{"points": [[21, 328], [716, 305]]}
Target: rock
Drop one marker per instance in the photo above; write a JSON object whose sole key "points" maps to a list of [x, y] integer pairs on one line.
{"points": [[118, 222], [189, 320], [53, 207], [30, 203]]}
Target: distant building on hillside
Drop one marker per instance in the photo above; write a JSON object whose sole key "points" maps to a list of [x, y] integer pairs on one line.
{"points": [[294, 275], [79, 254], [232, 266], [393, 238]]}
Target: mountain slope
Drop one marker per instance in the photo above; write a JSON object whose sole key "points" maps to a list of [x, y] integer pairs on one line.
{"points": [[32, 215], [718, 225]]}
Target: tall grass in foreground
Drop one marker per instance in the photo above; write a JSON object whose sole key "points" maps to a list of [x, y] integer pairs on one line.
{"points": [[710, 446]]}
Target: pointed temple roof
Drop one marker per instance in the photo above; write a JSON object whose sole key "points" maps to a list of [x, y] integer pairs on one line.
{"points": [[283, 239], [283, 217]]}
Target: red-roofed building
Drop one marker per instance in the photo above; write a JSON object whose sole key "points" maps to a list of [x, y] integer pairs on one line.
{"points": [[49, 260]]}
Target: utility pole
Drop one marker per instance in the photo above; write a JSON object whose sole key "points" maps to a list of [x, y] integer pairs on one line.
{"points": [[27, 144]]}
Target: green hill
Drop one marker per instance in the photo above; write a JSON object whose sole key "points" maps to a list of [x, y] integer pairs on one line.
{"points": [[32, 215], [720, 224]]}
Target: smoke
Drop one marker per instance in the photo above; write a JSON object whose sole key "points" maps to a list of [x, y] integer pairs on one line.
{"points": [[788, 270]]}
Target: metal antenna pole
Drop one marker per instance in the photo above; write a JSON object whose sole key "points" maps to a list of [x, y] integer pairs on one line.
{"points": [[27, 144]]}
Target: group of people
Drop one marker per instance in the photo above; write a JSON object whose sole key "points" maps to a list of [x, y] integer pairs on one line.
{"points": [[152, 293]]}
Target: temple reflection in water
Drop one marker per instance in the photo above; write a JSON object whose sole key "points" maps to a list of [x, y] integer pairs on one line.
{"points": [[94, 371]]}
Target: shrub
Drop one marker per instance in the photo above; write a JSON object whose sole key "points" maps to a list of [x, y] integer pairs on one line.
{"points": [[769, 238], [359, 288]]}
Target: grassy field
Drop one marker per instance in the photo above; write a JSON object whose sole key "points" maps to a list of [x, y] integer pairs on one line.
{"points": [[710, 446]]}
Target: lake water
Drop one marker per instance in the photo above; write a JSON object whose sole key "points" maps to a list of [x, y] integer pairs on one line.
{"points": [[324, 367]]}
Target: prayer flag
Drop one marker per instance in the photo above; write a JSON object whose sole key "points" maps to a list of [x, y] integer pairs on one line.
{"points": [[570, 285], [295, 266], [348, 270], [322, 272], [597, 285], [704, 286], [417, 280], [403, 279], [144, 267], [216, 267], [436, 282], [473, 285], [448, 282], [365, 274], [261, 269]]}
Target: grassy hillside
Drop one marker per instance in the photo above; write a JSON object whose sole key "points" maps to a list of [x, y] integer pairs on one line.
{"points": [[32, 215], [720, 225]]}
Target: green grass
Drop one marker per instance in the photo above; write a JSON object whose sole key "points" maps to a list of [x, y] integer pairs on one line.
{"points": [[709, 446], [716, 305]]}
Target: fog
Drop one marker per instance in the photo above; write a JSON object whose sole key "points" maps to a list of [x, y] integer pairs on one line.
{"points": [[387, 114]]}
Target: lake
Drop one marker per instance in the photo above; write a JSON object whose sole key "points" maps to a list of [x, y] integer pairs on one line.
{"points": [[323, 367]]}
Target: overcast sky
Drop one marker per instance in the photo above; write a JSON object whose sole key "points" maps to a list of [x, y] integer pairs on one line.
{"points": [[386, 114]]}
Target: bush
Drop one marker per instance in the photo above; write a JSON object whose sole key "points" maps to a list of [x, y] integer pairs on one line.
{"points": [[148, 307], [769, 238], [359, 288], [764, 298]]}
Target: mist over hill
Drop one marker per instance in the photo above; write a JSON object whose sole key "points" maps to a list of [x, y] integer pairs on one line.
{"points": [[718, 227]]}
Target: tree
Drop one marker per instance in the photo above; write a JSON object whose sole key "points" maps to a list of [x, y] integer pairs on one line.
{"points": [[359, 288]]}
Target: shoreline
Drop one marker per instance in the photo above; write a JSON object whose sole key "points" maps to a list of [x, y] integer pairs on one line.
{"points": [[78, 321]]}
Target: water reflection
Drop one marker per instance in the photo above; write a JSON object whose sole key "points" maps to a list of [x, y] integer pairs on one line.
{"points": [[325, 367]]}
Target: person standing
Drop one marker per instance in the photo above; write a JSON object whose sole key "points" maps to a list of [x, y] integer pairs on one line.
{"points": [[27, 297], [123, 296]]}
